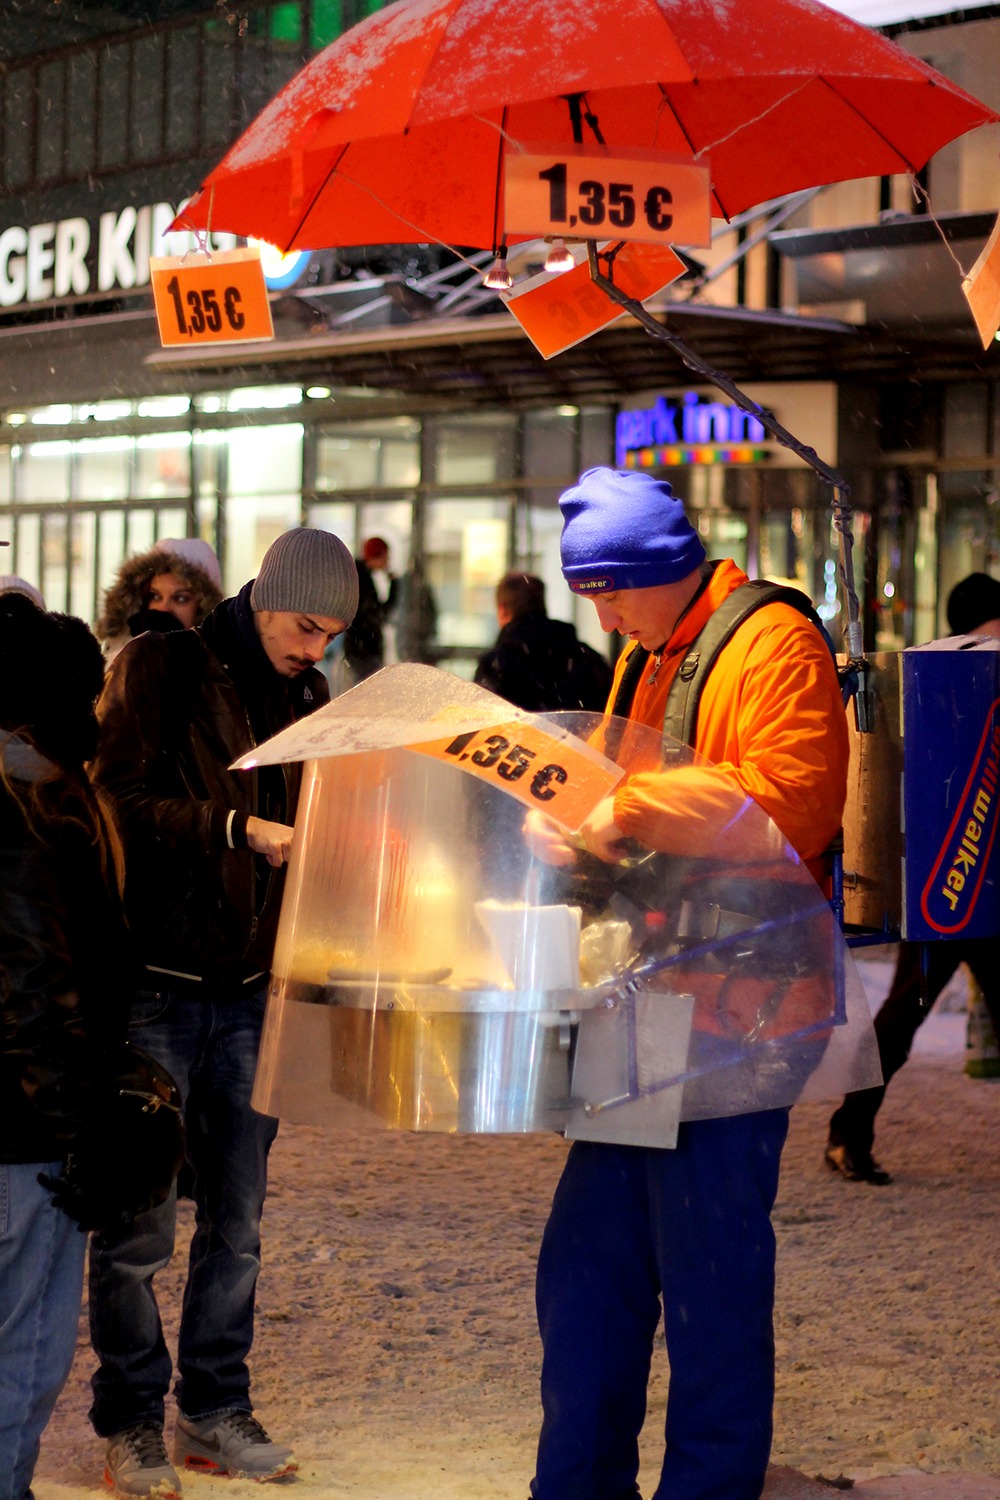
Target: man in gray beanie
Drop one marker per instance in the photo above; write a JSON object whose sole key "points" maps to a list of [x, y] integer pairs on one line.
{"points": [[204, 851]]}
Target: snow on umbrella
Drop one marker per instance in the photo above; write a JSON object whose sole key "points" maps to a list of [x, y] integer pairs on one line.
{"points": [[399, 130], [402, 130]]}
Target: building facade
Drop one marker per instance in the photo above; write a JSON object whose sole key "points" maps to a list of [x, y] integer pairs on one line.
{"points": [[399, 400]]}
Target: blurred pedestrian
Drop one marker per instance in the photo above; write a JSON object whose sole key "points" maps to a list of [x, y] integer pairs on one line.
{"points": [[922, 970], [364, 639], [536, 663], [414, 618], [204, 850], [64, 1009], [173, 586]]}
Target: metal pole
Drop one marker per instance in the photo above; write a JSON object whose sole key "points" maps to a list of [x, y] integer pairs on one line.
{"points": [[842, 512]]}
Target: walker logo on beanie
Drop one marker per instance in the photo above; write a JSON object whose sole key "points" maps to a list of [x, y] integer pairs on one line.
{"points": [[625, 529], [307, 572]]}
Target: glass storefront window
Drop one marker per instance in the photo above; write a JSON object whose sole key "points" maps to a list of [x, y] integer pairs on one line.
{"points": [[140, 531], [369, 455], [55, 560], [110, 549], [335, 516], [466, 555], [473, 450], [264, 485], [102, 468], [252, 524], [597, 437], [43, 472], [25, 555], [550, 442], [82, 542], [163, 466], [265, 460]]}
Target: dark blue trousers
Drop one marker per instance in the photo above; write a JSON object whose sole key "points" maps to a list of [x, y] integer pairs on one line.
{"points": [[631, 1225]]}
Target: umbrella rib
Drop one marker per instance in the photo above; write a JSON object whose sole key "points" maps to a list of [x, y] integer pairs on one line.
{"points": [[312, 203], [873, 128], [667, 103], [496, 190]]}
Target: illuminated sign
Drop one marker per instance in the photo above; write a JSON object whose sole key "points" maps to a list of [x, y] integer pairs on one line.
{"points": [[81, 257], [688, 431]]}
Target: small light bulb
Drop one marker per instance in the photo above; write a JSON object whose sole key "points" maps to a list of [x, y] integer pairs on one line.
{"points": [[498, 278], [559, 257]]}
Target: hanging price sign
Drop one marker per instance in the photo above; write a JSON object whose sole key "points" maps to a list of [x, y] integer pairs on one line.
{"points": [[211, 299], [557, 312], [982, 288], [578, 193], [561, 777]]}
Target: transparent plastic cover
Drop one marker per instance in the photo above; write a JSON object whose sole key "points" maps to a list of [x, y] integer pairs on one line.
{"points": [[433, 973]]}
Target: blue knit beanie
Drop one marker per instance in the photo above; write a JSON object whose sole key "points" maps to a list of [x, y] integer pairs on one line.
{"points": [[624, 529]]}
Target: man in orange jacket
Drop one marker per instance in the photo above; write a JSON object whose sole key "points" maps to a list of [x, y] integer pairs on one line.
{"points": [[691, 1225]]}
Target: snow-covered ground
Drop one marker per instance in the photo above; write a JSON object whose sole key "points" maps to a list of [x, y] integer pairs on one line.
{"points": [[396, 1344]]}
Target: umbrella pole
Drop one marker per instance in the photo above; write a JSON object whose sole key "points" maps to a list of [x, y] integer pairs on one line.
{"points": [[842, 512]]}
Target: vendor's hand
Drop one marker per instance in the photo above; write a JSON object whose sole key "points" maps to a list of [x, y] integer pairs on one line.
{"points": [[271, 839], [601, 835], [546, 840]]}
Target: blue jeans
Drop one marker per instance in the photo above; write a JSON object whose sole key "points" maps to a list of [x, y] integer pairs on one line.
{"points": [[41, 1287], [630, 1225], [209, 1043]]}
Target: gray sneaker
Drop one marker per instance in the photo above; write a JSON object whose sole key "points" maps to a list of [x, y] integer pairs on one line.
{"points": [[233, 1443], [136, 1464]]}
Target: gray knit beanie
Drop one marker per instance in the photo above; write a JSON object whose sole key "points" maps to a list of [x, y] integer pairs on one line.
{"points": [[308, 572]]}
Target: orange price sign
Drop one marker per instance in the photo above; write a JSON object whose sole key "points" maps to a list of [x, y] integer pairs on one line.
{"points": [[579, 193], [211, 299], [559, 311], [982, 288], [561, 776]]}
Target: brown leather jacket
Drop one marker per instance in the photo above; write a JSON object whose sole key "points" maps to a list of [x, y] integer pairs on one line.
{"points": [[176, 711]]}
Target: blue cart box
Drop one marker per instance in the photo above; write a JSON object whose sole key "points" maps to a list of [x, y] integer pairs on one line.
{"points": [[951, 789]]}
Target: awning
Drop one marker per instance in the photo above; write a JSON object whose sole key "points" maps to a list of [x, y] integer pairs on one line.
{"points": [[488, 360]]}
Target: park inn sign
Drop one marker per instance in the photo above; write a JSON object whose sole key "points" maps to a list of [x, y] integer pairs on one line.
{"points": [[685, 431]]}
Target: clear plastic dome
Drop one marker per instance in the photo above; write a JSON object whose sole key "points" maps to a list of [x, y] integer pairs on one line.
{"points": [[433, 973]]}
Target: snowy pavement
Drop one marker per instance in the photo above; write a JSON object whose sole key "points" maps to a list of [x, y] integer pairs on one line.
{"points": [[396, 1345]]}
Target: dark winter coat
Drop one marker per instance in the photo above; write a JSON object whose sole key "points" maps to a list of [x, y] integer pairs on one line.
{"points": [[176, 711], [62, 941], [540, 665], [364, 638]]}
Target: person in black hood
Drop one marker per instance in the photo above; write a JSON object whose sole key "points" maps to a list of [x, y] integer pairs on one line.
{"points": [[204, 851], [63, 1017], [536, 663]]}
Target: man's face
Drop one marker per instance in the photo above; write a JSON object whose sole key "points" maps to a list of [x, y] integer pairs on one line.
{"points": [[172, 596], [645, 615], [295, 641]]}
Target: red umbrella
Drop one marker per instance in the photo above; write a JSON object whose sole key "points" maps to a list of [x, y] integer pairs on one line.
{"points": [[397, 131], [400, 130]]}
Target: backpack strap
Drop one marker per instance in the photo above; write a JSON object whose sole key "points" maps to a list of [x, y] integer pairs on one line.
{"points": [[680, 719]]}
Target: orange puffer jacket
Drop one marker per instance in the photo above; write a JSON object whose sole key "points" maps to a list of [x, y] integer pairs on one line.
{"points": [[771, 735], [771, 722]]}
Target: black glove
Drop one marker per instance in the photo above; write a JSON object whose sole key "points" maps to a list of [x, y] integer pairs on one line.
{"points": [[152, 619]]}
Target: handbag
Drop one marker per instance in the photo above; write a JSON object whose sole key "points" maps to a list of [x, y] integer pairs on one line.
{"points": [[125, 1158]]}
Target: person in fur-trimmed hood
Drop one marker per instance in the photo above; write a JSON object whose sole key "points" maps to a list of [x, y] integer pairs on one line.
{"points": [[173, 586]]}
